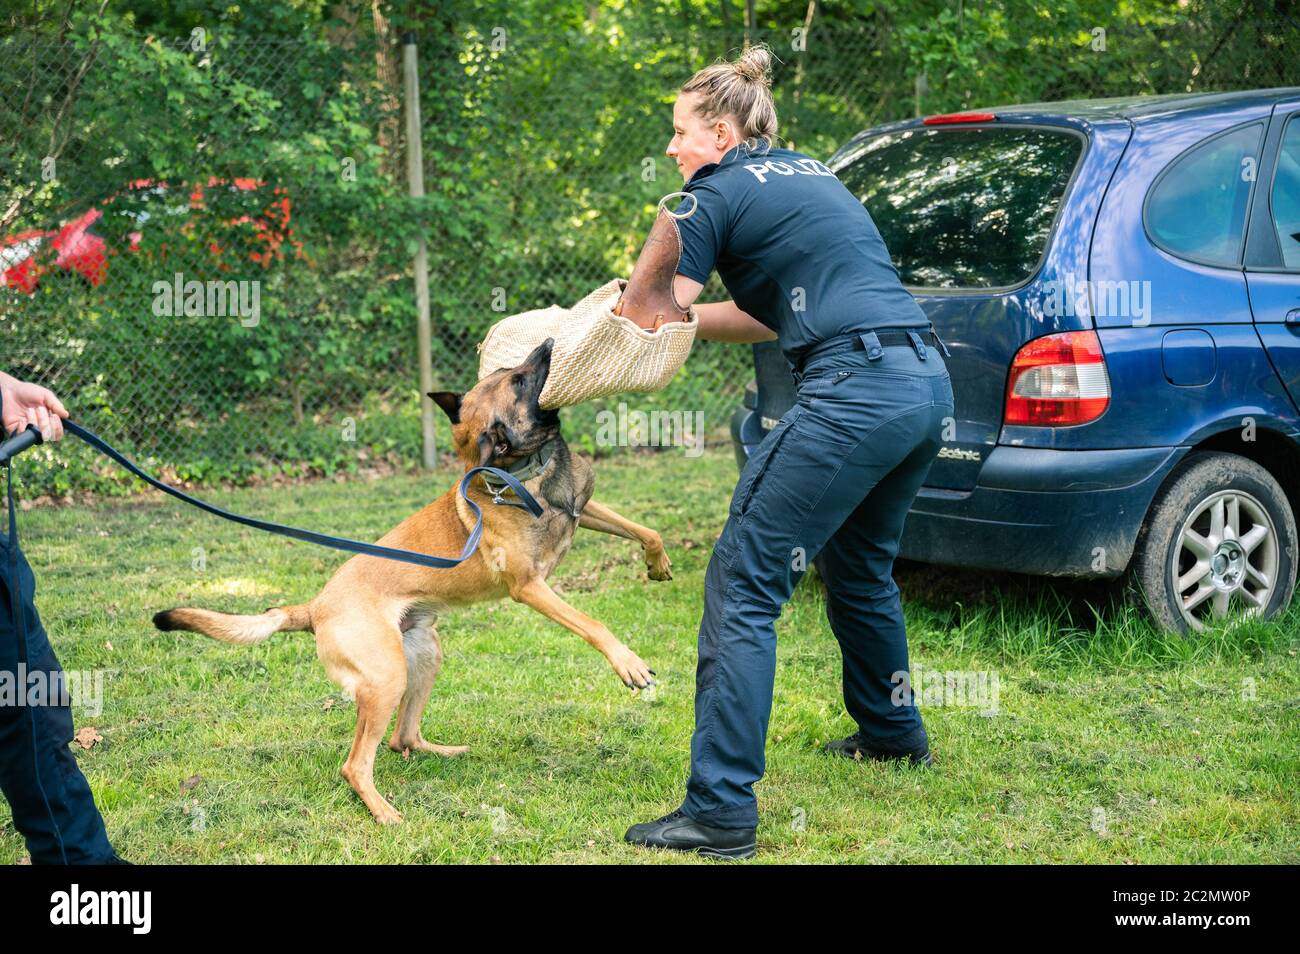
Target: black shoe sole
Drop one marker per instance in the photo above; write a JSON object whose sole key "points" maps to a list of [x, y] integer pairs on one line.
{"points": [[729, 854], [866, 755], [726, 854]]}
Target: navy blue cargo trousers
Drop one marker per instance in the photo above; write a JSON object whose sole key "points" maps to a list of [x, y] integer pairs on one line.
{"points": [[52, 804], [832, 483]]}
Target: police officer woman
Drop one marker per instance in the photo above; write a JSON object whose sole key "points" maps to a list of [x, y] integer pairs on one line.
{"points": [[833, 481]]}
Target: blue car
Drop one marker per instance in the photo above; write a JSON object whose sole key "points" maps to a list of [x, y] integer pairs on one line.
{"points": [[1119, 284]]}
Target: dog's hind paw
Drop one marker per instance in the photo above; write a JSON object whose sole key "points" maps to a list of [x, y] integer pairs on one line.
{"points": [[383, 812]]}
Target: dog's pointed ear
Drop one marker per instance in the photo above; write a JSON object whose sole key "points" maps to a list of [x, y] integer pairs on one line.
{"points": [[486, 445], [449, 401], [543, 350]]}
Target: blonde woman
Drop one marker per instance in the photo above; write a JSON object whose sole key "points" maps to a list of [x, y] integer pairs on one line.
{"points": [[834, 479]]}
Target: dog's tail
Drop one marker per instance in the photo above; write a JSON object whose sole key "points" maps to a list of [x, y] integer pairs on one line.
{"points": [[230, 628]]}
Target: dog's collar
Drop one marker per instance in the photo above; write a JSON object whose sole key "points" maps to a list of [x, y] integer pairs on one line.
{"points": [[521, 470]]}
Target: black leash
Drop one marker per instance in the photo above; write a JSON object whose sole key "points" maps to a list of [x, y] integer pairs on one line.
{"points": [[31, 436]]}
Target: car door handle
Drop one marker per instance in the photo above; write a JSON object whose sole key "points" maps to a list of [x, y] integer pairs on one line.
{"points": [[1293, 316]]}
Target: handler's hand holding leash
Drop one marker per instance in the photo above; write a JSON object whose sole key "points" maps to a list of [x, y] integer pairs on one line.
{"points": [[31, 406]]}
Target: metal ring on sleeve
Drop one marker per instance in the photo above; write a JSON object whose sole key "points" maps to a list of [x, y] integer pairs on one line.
{"points": [[695, 204]]}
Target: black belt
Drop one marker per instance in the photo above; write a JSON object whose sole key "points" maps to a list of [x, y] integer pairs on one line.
{"points": [[869, 341]]}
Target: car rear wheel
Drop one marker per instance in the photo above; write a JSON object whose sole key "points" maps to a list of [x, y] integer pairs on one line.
{"points": [[1219, 544]]}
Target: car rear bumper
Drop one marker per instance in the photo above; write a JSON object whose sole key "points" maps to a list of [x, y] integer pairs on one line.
{"points": [[1041, 511], [1034, 510]]}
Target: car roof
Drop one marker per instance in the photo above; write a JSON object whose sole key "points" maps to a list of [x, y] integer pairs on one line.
{"points": [[1139, 108]]}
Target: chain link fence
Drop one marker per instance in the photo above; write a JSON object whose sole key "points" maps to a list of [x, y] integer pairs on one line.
{"points": [[207, 242]]}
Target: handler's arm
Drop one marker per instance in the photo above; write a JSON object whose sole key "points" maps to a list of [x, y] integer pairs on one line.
{"points": [[720, 320]]}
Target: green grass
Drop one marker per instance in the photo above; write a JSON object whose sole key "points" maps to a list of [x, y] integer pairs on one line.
{"points": [[1099, 718]]}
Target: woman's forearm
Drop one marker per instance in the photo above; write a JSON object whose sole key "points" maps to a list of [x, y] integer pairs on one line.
{"points": [[724, 321]]}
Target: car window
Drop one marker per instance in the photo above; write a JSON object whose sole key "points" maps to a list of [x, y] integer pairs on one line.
{"points": [[1197, 207], [1285, 198], [964, 206]]}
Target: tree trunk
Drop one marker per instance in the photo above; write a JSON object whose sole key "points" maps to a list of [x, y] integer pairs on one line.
{"points": [[799, 70], [390, 83]]}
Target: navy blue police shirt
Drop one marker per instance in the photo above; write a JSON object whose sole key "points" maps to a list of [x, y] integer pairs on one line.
{"points": [[793, 247]]}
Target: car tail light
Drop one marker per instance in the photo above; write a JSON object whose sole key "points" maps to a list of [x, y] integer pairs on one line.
{"points": [[945, 118], [1057, 381]]}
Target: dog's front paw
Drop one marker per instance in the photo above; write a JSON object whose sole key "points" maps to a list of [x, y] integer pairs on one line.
{"points": [[631, 668], [657, 565]]}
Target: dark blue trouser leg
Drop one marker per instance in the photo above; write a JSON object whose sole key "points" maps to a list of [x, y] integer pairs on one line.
{"points": [[51, 801], [856, 424], [863, 606]]}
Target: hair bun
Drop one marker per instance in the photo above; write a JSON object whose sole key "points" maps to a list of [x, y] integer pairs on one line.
{"points": [[755, 64], [741, 90]]}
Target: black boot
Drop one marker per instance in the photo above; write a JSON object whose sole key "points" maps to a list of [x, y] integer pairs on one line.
{"points": [[680, 832], [859, 747]]}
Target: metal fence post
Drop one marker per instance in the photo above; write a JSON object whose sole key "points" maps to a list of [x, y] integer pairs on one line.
{"points": [[415, 178]]}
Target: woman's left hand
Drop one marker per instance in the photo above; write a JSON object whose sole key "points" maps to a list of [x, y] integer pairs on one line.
{"points": [[30, 405]]}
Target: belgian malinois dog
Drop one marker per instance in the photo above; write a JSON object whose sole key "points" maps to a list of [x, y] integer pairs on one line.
{"points": [[374, 620]]}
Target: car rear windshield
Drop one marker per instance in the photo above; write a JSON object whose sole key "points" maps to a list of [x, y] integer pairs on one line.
{"points": [[964, 206]]}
